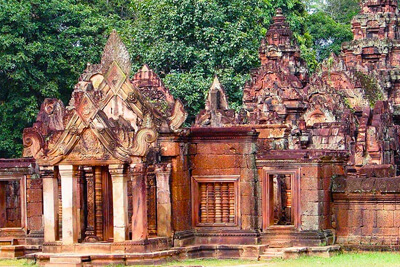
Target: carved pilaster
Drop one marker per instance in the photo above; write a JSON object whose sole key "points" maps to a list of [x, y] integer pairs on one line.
{"points": [[164, 223], [151, 201], [120, 200], [90, 196], [139, 203], [99, 203], [50, 203]]}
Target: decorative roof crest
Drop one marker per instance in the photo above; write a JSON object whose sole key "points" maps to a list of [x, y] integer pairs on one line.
{"points": [[115, 50]]}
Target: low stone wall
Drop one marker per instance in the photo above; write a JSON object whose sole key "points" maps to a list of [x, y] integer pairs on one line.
{"points": [[366, 212]]}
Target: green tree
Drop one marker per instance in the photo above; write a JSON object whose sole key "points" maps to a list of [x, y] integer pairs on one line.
{"points": [[44, 46], [329, 24], [328, 35], [341, 11]]}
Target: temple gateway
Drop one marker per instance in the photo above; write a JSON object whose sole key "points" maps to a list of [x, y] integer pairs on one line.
{"points": [[307, 166]]}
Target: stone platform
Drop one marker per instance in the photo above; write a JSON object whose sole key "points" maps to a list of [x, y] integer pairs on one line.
{"points": [[250, 252]]}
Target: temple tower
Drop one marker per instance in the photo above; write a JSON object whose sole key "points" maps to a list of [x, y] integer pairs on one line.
{"points": [[274, 92]]}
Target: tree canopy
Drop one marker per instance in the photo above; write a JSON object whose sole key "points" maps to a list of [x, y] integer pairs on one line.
{"points": [[329, 24], [45, 45]]}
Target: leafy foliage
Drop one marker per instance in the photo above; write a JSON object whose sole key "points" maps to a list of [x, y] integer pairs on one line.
{"points": [[329, 24], [328, 35], [44, 45], [342, 11]]}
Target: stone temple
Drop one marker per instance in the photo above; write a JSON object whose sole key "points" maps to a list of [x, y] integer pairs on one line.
{"points": [[309, 165]]}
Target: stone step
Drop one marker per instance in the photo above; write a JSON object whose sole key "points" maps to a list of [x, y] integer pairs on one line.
{"points": [[271, 256], [271, 253], [11, 252], [280, 244], [67, 261], [49, 264]]}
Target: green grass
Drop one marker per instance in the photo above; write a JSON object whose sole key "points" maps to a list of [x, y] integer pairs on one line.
{"points": [[362, 259], [16, 263], [211, 262]]}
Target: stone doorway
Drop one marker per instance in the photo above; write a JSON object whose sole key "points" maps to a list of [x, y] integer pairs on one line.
{"points": [[97, 204], [280, 199]]}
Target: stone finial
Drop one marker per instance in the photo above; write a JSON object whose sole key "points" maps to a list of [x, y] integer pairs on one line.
{"points": [[279, 33], [216, 98], [279, 17], [115, 50]]}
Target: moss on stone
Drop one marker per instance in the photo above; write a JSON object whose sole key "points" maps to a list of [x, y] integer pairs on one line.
{"points": [[371, 87]]}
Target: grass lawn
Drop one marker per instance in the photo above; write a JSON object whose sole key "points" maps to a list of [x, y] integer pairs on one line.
{"points": [[362, 259], [16, 263]]}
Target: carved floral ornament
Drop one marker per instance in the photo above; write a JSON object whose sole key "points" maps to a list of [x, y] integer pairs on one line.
{"points": [[107, 112]]}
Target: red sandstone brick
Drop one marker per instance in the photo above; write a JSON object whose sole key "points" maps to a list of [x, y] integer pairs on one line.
{"points": [[216, 162], [220, 148], [311, 208], [309, 222], [366, 231], [355, 218], [34, 195], [369, 219], [34, 183], [34, 209], [386, 232], [169, 149], [384, 218], [396, 218], [308, 183], [35, 223], [389, 206], [180, 193], [246, 189], [309, 172], [192, 149], [355, 231], [342, 217], [326, 182], [247, 222]]}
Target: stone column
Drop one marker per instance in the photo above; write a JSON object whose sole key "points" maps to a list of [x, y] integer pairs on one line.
{"points": [[50, 203], [139, 202], [69, 207], [120, 202], [164, 223]]}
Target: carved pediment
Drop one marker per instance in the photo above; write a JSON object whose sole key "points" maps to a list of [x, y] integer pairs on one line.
{"points": [[108, 117]]}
